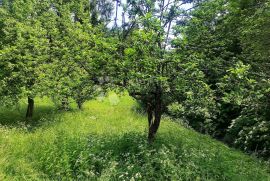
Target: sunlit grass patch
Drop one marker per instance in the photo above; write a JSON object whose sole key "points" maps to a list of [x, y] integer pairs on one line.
{"points": [[107, 141]]}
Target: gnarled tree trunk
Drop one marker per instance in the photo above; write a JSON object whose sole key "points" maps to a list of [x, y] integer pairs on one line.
{"points": [[150, 114], [79, 104], [154, 124], [30, 108]]}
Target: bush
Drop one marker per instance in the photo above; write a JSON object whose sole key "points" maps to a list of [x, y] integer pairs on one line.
{"points": [[251, 132]]}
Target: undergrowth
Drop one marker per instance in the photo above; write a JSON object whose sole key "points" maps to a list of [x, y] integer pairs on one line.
{"points": [[107, 141]]}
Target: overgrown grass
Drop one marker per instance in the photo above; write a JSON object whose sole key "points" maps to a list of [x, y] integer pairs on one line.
{"points": [[107, 141]]}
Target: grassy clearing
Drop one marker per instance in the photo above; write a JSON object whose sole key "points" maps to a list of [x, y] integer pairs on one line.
{"points": [[107, 141]]}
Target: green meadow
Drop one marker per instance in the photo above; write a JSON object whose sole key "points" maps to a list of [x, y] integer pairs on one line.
{"points": [[107, 140]]}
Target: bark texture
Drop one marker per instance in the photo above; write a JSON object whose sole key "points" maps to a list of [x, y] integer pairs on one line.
{"points": [[30, 108]]}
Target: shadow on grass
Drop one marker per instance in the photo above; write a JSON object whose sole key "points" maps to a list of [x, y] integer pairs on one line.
{"points": [[14, 117]]}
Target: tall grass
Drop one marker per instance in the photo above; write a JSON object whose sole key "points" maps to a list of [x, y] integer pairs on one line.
{"points": [[107, 141]]}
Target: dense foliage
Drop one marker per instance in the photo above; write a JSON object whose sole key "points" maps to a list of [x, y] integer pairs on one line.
{"points": [[204, 62], [229, 38]]}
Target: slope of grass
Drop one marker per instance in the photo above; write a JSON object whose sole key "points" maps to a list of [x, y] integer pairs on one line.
{"points": [[107, 141]]}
